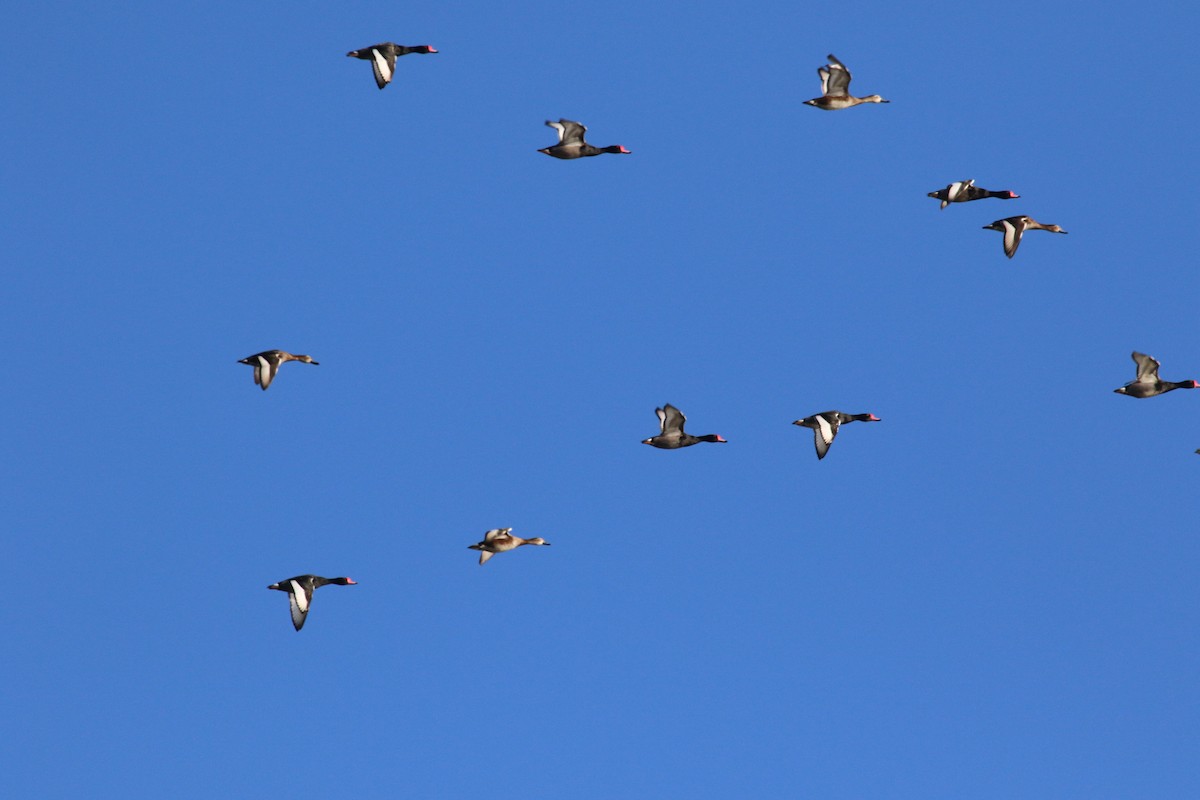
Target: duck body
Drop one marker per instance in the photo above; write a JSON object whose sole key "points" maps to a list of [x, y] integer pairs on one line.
{"points": [[266, 364], [671, 435], [826, 424], [835, 89], [501, 540], [966, 191], [1147, 383], [300, 591], [1014, 228], [383, 58], [571, 144]]}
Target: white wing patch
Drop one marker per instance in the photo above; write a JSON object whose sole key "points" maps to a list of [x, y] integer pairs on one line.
{"points": [[558, 126], [825, 429], [299, 604], [264, 373], [383, 73], [1012, 238], [301, 597]]}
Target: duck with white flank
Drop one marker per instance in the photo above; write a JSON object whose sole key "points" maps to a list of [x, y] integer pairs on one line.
{"points": [[383, 58], [966, 191], [671, 435], [571, 143], [266, 364], [835, 89], [300, 591], [501, 540], [825, 426], [1147, 383], [1014, 228]]}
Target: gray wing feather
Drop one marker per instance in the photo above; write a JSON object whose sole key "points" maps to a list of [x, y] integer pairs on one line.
{"points": [[1147, 368]]}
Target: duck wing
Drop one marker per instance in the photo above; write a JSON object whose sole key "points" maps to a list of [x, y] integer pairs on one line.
{"points": [[569, 132], [264, 371], [672, 419], [496, 534], [1147, 368], [958, 189], [1014, 229], [835, 79], [300, 597], [384, 64], [824, 431]]}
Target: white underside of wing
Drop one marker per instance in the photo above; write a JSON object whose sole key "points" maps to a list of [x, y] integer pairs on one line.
{"points": [[558, 126], [1012, 238], [825, 430], [383, 73], [299, 604], [823, 434], [301, 597], [484, 555], [821, 444], [264, 372]]}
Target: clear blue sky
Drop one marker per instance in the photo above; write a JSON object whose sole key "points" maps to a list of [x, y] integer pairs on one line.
{"points": [[990, 594]]}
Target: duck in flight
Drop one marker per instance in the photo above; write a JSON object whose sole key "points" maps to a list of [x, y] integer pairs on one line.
{"points": [[671, 435], [300, 591], [501, 540], [966, 191], [571, 143], [383, 58], [266, 364], [1147, 382], [835, 89], [1014, 228], [825, 426]]}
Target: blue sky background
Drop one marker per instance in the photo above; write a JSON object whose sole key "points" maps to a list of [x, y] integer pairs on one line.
{"points": [[990, 594]]}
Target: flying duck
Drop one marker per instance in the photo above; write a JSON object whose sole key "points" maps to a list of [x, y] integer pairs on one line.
{"points": [[825, 426], [1147, 383], [835, 88], [383, 58], [501, 540], [1014, 228], [966, 191], [571, 143], [300, 591], [671, 436], [266, 364]]}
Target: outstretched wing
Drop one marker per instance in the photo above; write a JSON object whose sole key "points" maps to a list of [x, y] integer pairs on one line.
{"points": [[300, 599], [835, 79], [823, 433], [264, 372], [569, 132], [384, 66], [1012, 235], [1147, 368], [484, 555], [672, 418]]}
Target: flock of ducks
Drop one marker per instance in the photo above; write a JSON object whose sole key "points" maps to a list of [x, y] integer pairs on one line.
{"points": [[835, 96]]}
